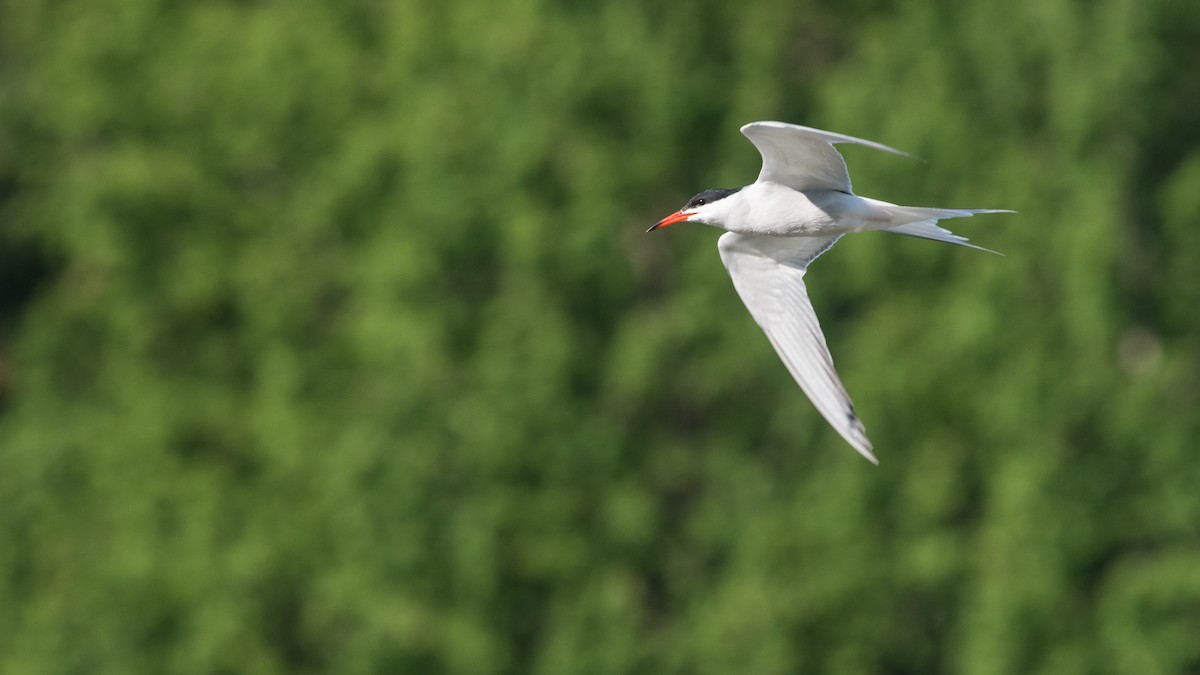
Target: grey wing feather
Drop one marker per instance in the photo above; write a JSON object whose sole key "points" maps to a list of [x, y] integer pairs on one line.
{"points": [[803, 158], [768, 273]]}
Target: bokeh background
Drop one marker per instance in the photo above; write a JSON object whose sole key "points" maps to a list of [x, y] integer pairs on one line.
{"points": [[331, 342]]}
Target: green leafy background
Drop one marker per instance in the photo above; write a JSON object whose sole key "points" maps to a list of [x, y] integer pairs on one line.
{"points": [[330, 341]]}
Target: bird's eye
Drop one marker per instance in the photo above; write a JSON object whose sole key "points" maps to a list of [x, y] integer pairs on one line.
{"points": [[699, 202]]}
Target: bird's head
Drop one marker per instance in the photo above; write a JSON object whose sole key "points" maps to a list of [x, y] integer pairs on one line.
{"points": [[708, 207]]}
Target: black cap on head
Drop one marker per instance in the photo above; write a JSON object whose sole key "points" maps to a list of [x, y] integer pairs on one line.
{"points": [[708, 197]]}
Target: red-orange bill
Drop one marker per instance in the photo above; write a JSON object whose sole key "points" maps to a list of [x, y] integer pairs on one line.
{"points": [[677, 217]]}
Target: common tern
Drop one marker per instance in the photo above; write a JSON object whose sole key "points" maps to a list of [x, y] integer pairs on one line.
{"points": [[798, 208]]}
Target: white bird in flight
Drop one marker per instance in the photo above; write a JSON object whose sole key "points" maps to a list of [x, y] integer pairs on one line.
{"points": [[798, 208]]}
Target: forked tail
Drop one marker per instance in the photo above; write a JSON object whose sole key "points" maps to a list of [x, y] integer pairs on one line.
{"points": [[917, 221]]}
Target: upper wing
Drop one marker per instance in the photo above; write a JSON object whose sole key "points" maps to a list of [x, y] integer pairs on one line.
{"points": [[768, 272], [803, 158]]}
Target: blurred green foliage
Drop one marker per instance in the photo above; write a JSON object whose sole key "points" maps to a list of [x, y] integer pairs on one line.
{"points": [[330, 341]]}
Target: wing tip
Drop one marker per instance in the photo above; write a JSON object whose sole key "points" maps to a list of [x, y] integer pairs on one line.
{"points": [[831, 137], [856, 436], [859, 441]]}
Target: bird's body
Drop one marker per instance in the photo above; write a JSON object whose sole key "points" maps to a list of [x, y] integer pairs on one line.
{"points": [[780, 211], [798, 208]]}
